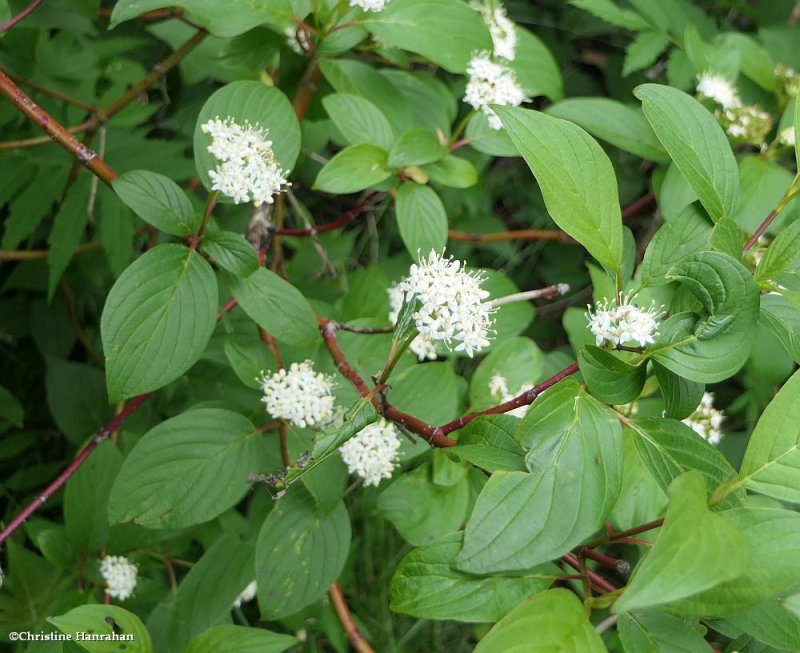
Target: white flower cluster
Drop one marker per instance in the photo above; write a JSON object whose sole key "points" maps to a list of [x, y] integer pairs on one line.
{"points": [[718, 89], [372, 452], [743, 123], [706, 420], [300, 395], [422, 346], [297, 39], [788, 79], [622, 321], [501, 28], [491, 83], [246, 166], [247, 595], [787, 136], [120, 575], [369, 5], [451, 306], [498, 388]]}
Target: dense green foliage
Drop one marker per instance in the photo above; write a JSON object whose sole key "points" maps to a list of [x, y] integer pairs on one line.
{"points": [[556, 483]]}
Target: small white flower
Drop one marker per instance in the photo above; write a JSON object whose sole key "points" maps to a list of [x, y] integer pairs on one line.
{"points": [[746, 123], [297, 39], [246, 167], [369, 5], [300, 395], [120, 575], [501, 28], [491, 83], [788, 79], [450, 305], [498, 388], [422, 346], [787, 136], [718, 89], [372, 452], [706, 420], [621, 322], [247, 595]]}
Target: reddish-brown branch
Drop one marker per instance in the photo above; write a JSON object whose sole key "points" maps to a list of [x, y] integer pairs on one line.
{"points": [[514, 234], [58, 95], [760, 231], [22, 15], [35, 254], [306, 89], [67, 140], [348, 217], [97, 439], [522, 399], [649, 526], [596, 579], [637, 206], [346, 618]]}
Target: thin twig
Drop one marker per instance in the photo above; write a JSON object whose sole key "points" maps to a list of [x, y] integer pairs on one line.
{"points": [[550, 292], [22, 15], [346, 618]]}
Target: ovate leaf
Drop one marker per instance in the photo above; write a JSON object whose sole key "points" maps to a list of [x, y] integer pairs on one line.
{"points": [[554, 620], [157, 320], [353, 169], [157, 200], [644, 50], [771, 462], [425, 585], [105, 620], [241, 640], [415, 148], [575, 462], [187, 470], [421, 219], [609, 378], [576, 179], [232, 252], [653, 631], [696, 143], [300, 552], [277, 306], [694, 551], [359, 120]]}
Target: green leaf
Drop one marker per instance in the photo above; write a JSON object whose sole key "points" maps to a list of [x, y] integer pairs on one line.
{"points": [[694, 551], [415, 148], [206, 594], [353, 169], [10, 408], [157, 200], [248, 359], [687, 233], [622, 125], [453, 172], [575, 461], [696, 143], [576, 179], [157, 320], [727, 238], [417, 26], [644, 50], [187, 470], [654, 631], [558, 620], [421, 219], [359, 120], [609, 378], [483, 138], [771, 462], [770, 623], [105, 620], [488, 442], [425, 585], [86, 499], [277, 306], [772, 567], [611, 13], [68, 226], [76, 397], [782, 255], [241, 639], [782, 318], [421, 510], [681, 396], [255, 103], [669, 448], [300, 552], [536, 70], [518, 360], [232, 252], [714, 346]]}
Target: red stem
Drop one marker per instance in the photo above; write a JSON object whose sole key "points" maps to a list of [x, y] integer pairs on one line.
{"points": [[22, 15], [596, 579], [760, 231], [348, 217]]}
